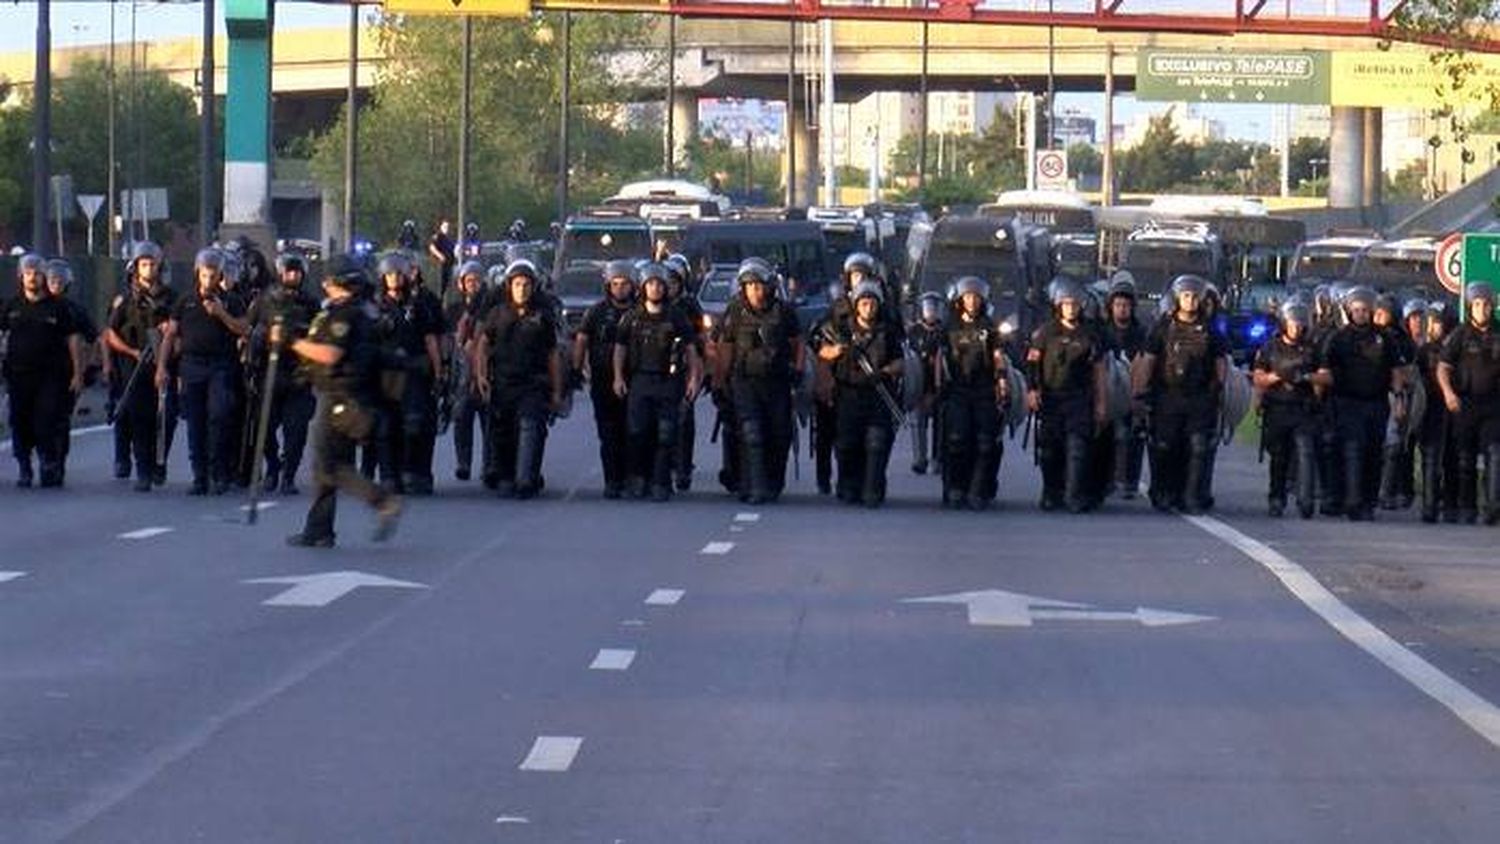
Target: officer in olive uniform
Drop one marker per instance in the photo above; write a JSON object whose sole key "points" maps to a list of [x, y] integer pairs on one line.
{"points": [[925, 336], [1185, 363], [136, 322], [866, 357], [1124, 336], [1286, 373], [594, 348], [292, 401], [1066, 375], [59, 282], [1435, 428], [657, 372], [971, 378], [684, 299], [1469, 377], [762, 354], [1365, 363], [519, 374], [43, 364], [201, 335], [341, 355]]}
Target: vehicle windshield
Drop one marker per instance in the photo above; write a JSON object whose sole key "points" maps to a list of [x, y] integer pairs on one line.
{"points": [[945, 263], [1155, 264], [585, 251], [1325, 265], [718, 287], [1405, 277], [800, 259], [842, 244]]}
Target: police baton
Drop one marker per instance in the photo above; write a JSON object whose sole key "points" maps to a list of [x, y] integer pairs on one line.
{"points": [[257, 464]]}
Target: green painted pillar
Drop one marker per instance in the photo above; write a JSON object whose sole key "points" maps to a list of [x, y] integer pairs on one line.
{"points": [[247, 114]]}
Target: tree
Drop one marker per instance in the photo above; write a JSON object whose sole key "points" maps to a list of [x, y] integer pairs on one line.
{"points": [[1084, 159], [1159, 162], [716, 159], [408, 142], [1455, 24], [1308, 159]]}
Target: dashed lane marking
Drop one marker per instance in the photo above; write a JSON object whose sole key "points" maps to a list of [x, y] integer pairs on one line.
{"points": [[553, 754], [146, 532], [259, 506], [613, 659], [747, 517], [8, 576], [717, 548], [1479, 714], [665, 597], [512, 819]]}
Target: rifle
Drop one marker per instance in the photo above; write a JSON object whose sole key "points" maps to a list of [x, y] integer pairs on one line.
{"points": [[268, 390], [892, 406]]}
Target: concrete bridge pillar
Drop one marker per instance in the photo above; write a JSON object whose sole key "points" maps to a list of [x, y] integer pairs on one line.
{"points": [[1374, 173], [804, 145], [247, 117], [1346, 158], [684, 122]]}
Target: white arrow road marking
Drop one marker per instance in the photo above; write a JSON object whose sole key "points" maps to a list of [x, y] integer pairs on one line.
{"points": [[8, 576], [322, 589], [552, 753], [719, 548], [613, 659], [664, 597], [146, 533], [998, 608], [1482, 716]]}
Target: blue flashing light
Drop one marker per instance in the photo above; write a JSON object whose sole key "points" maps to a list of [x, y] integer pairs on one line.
{"points": [[1258, 330]]}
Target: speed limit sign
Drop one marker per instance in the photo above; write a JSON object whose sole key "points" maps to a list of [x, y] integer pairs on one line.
{"points": [[1051, 169], [1449, 262]]}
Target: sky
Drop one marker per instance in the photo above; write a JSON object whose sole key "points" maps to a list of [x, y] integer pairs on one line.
{"points": [[78, 23]]}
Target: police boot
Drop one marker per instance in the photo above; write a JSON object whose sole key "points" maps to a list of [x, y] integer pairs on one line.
{"points": [[877, 455], [661, 468], [1053, 459], [919, 458], [1330, 477], [1356, 508], [755, 480], [24, 476], [1076, 477], [528, 459], [1492, 484], [1390, 473], [1199, 462], [1432, 473], [1468, 486], [1307, 476]]}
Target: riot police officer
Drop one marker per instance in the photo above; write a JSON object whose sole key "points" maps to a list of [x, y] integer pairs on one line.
{"points": [[1184, 363], [761, 353], [1124, 337], [1365, 364], [291, 402], [824, 412], [202, 335], [133, 336], [59, 282], [1469, 377], [342, 356], [519, 374], [410, 329], [1326, 315], [593, 349], [656, 371], [680, 292], [925, 336], [866, 358], [43, 364], [1286, 373], [971, 378], [1066, 373], [1397, 472], [1435, 429], [464, 314]]}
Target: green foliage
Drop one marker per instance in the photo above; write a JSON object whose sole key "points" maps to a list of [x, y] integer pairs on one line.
{"points": [[1409, 184], [1456, 24], [715, 161], [1160, 162], [408, 142], [1084, 159]]}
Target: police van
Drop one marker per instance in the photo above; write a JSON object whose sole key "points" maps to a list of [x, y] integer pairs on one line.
{"points": [[589, 241], [1404, 268], [1071, 221], [1010, 255], [796, 248], [1328, 260]]}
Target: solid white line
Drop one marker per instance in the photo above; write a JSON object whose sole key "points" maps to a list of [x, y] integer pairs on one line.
{"points": [[8, 576], [76, 432], [552, 753], [1482, 716], [665, 597], [613, 659], [747, 517], [717, 548], [146, 533]]}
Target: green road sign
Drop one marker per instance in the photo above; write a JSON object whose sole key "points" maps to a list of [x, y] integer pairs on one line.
{"points": [[1300, 77], [1482, 258]]}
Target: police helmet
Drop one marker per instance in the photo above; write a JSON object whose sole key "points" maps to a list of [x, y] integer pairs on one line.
{"points": [[1480, 291], [930, 305], [970, 284], [517, 230], [347, 272], [1322, 299], [867, 288], [471, 229], [862, 262], [678, 264], [496, 276], [393, 263], [212, 258], [1122, 287], [1188, 283], [1441, 313], [620, 268], [291, 261], [470, 268], [31, 261], [755, 270], [1386, 302], [1298, 312], [653, 270], [234, 268], [1061, 289], [145, 249], [1360, 295], [59, 273], [524, 268], [408, 225], [1414, 307]]}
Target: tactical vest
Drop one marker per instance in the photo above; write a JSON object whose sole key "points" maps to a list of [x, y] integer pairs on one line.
{"points": [[1477, 373], [870, 346], [971, 361], [1289, 361], [1362, 368], [655, 345], [602, 330], [521, 345], [1067, 360], [1186, 364], [762, 342]]}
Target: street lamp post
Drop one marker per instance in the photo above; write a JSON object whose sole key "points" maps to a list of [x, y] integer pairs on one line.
{"points": [[206, 130], [41, 139], [562, 132], [351, 128]]}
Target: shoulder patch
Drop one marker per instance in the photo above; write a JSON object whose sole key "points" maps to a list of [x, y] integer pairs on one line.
{"points": [[340, 328]]}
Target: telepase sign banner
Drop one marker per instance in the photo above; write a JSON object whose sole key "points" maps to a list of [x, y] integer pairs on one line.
{"points": [[1178, 76]]}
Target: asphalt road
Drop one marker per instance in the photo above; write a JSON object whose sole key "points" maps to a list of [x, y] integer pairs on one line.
{"points": [[574, 669]]}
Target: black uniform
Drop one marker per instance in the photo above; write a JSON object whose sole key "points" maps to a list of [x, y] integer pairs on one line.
{"points": [[599, 327], [1474, 355], [1362, 359], [1396, 477], [1435, 437], [824, 405], [468, 407], [1127, 450], [687, 425], [408, 418], [1062, 367], [88, 334], [1184, 407], [207, 363], [926, 341], [37, 371], [292, 401], [971, 415], [655, 348], [760, 345], [1330, 453], [866, 428], [136, 319], [346, 395], [521, 348], [1289, 422]]}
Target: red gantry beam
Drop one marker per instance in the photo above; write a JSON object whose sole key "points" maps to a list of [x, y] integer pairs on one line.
{"points": [[1239, 16]]}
